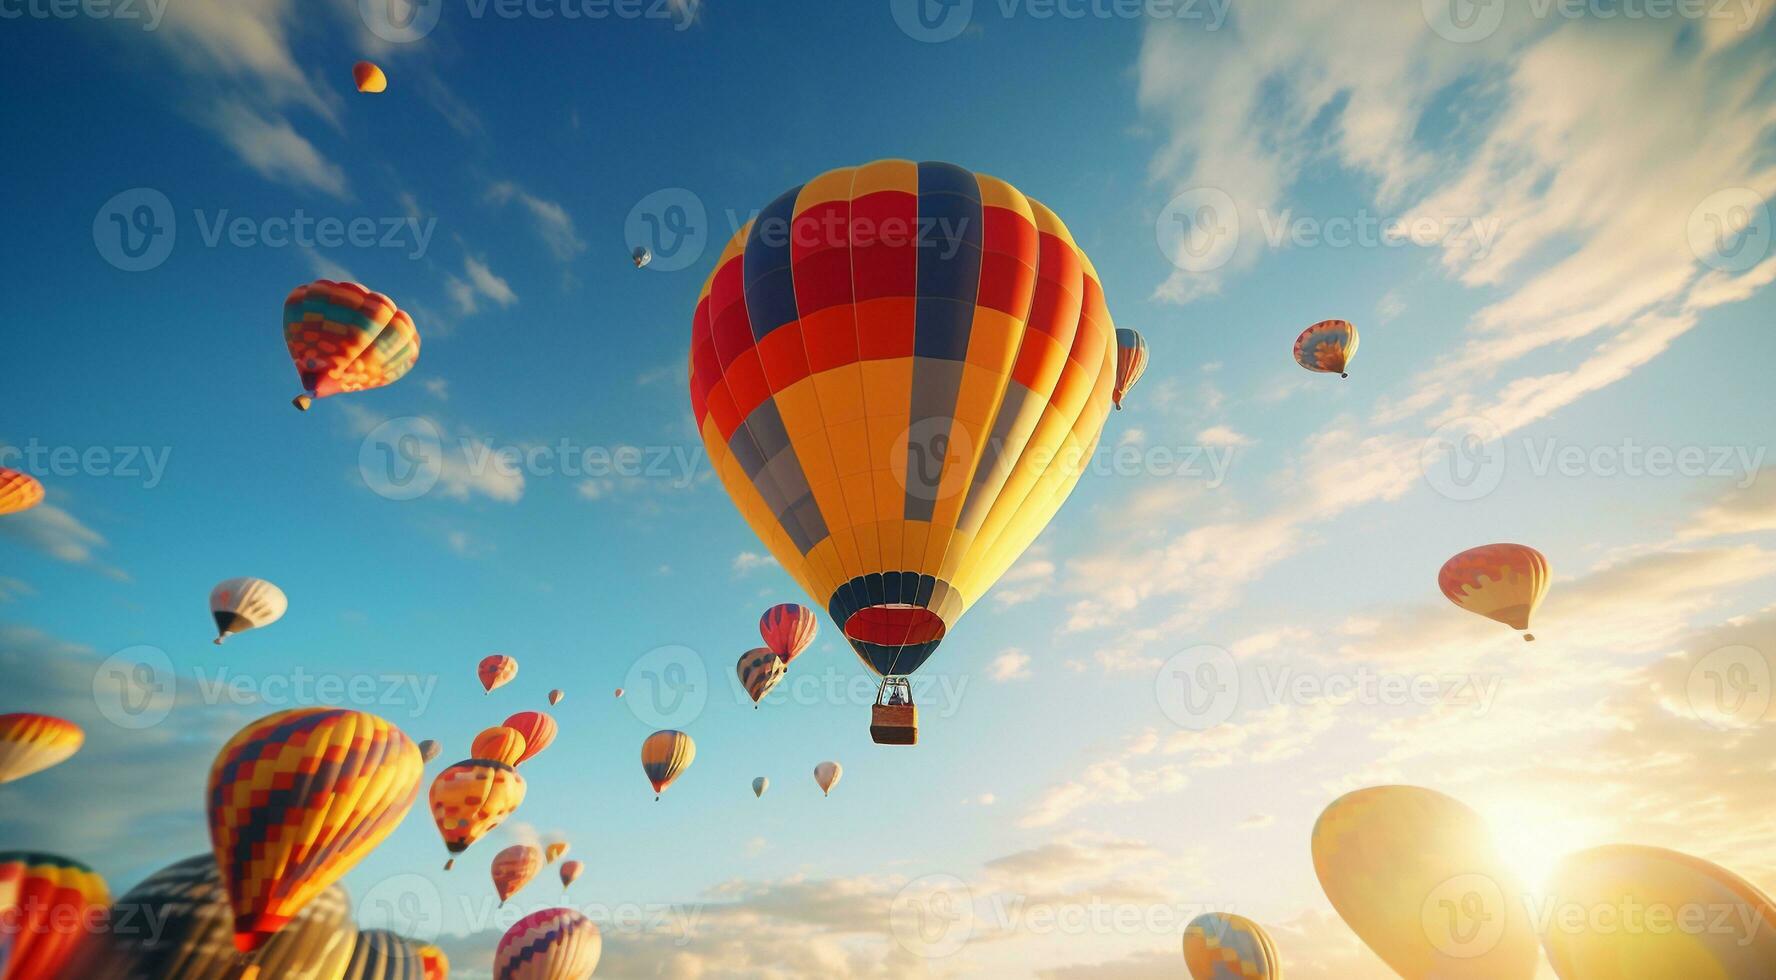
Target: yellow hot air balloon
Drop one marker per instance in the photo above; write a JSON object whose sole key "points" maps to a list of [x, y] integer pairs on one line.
{"points": [[471, 798], [18, 491], [554, 851], [369, 77], [665, 756], [900, 370], [499, 743], [1627, 912], [1503, 582], [513, 868], [30, 742], [241, 604], [1223, 946], [49, 907], [435, 964], [827, 776], [1415, 875]]}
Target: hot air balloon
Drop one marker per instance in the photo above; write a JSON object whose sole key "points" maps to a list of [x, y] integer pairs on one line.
{"points": [[499, 744], [369, 77], [759, 671], [382, 955], [31, 742], [664, 756], [18, 491], [1327, 347], [345, 338], [555, 697], [513, 868], [471, 798], [641, 256], [554, 944], [1222, 946], [759, 786], [429, 749], [177, 923], [1131, 363], [48, 906], [553, 852], [496, 670], [897, 415], [538, 730], [435, 964], [827, 776], [570, 872], [1416, 877], [296, 799], [619, 693], [788, 629], [1503, 582], [1716, 924], [241, 604]]}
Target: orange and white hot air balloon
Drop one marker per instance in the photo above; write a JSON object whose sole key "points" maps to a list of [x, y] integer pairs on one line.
{"points": [[369, 77], [18, 491], [30, 742], [500, 744], [496, 670], [241, 604], [570, 873], [513, 868], [538, 730], [827, 776], [1503, 582], [49, 906], [1327, 347]]}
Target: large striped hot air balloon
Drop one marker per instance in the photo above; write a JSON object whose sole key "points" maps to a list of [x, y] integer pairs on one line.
{"points": [[538, 730], [788, 628], [49, 906], [434, 962], [513, 868], [1503, 582], [1416, 876], [900, 371], [18, 491], [1131, 363], [296, 799], [382, 955], [496, 670], [1327, 347], [345, 338], [759, 671], [177, 923], [30, 743], [471, 798], [241, 604], [554, 944], [665, 755], [1222, 946]]}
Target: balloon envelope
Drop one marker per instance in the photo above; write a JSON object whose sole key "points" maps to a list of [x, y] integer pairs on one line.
{"points": [[538, 730], [241, 604], [759, 671], [554, 944], [759, 786], [1503, 582], [471, 798], [664, 757], [570, 871], [513, 868], [369, 77], [434, 962], [1131, 362], [343, 337], [498, 744], [554, 851], [1327, 347], [496, 670], [48, 906], [788, 628], [1222, 946], [31, 743], [18, 491], [429, 749], [827, 776], [555, 697], [381, 955]]}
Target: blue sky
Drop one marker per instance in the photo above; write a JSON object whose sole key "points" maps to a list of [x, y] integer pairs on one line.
{"points": [[1561, 306]]}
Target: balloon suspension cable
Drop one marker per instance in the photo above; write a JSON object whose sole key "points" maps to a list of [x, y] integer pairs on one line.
{"points": [[219, 638]]}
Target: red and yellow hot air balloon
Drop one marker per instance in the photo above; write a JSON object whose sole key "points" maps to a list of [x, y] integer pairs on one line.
{"points": [[1327, 347], [369, 77], [496, 670], [554, 944], [788, 629], [1416, 876], [30, 742], [346, 338], [1223, 946], [665, 755], [570, 872], [498, 744], [471, 798], [296, 799], [1131, 363], [18, 491], [538, 730], [513, 868], [555, 697], [900, 371], [1503, 582], [434, 963], [759, 671], [49, 905], [553, 852]]}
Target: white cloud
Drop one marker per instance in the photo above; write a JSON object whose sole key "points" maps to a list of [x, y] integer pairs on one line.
{"points": [[273, 148], [481, 283], [552, 221], [1012, 665], [747, 562], [1221, 435]]}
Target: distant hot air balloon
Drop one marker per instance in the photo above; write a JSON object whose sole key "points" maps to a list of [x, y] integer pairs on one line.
{"points": [[343, 337], [177, 923], [788, 629], [513, 868], [664, 756], [1131, 363], [897, 416], [641, 256], [1416, 876], [553, 852], [241, 604], [48, 906], [570, 872], [31, 742], [759, 785], [18, 491], [1327, 347], [827, 776], [295, 800], [555, 697], [435, 964], [496, 670], [1222, 946], [382, 955], [759, 671], [500, 744], [369, 77], [619, 693], [1728, 936], [471, 798], [554, 944], [429, 749], [1503, 582], [538, 729]]}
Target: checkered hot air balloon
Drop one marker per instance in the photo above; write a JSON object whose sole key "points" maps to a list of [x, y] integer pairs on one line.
{"points": [[471, 798], [554, 944], [1222, 946], [343, 337]]}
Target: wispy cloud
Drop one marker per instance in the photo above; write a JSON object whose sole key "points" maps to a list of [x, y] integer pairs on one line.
{"points": [[552, 221]]}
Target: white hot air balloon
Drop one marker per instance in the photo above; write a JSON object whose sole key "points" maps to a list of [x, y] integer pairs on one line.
{"points": [[827, 775], [241, 604], [641, 256], [759, 786]]}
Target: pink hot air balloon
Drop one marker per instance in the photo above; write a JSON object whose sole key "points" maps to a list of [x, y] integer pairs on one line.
{"points": [[538, 730], [788, 629], [554, 944], [513, 868]]}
